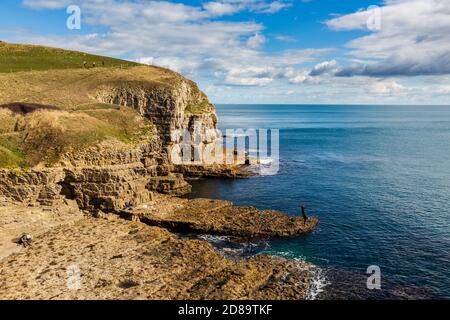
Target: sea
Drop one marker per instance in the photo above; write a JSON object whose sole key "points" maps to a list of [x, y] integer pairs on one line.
{"points": [[378, 179]]}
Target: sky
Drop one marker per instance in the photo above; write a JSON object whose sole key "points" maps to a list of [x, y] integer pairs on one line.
{"points": [[261, 51]]}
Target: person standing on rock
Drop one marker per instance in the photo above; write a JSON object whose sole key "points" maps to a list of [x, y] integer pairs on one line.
{"points": [[305, 217]]}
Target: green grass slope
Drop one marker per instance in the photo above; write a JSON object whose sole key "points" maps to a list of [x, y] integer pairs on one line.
{"points": [[18, 57], [56, 77]]}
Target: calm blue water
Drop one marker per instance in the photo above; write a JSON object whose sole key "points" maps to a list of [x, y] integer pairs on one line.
{"points": [[377, 177]]}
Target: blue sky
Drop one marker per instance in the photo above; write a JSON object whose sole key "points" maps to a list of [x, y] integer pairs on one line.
{"points": [[262, 51]]}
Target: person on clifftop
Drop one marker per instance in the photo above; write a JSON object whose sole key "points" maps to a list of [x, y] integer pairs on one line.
{"points": [[305, 217]]}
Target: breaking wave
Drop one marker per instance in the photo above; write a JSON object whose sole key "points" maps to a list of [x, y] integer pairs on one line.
{"points": [[318, 283]]}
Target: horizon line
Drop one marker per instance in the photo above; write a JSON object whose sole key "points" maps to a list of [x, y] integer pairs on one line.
{"points": [[335, 104]]}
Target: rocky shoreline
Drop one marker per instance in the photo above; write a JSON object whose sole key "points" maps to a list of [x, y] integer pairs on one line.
{"points": [[217, 217], [114, 142], [115, 258]]}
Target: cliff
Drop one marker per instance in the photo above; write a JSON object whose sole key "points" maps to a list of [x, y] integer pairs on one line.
{"points": [[108, 141], [79, 142], [104, 137]]}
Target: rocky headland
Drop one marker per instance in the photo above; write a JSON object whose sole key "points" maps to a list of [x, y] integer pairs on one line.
{"points": [[96, 184]]}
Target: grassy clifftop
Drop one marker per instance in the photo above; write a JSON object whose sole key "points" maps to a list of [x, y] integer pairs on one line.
{"points": [[75, 89], [19, 57], [56, 77]]}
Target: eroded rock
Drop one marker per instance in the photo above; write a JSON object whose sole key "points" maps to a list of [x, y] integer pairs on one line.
{"points": [[104, 259], [220, 217]]}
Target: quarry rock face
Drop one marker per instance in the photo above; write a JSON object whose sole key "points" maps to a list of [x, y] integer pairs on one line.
{"points": [[108, 179]]}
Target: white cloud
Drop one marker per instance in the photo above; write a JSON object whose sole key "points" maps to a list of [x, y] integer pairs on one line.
{"points": [[414, 39], [210, 9], [324, 68], [184, 66], [262, 76], [228, 56], [46, 4], [256, 41], [285, 38], [220, 8], [164, 29], [387, 87], [294, 76], [274, 7]]}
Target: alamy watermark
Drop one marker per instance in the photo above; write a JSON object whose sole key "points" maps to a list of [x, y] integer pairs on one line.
{"points": [[73, 277], [201, 146], [73, 22], [373, 22], [374, 279]]}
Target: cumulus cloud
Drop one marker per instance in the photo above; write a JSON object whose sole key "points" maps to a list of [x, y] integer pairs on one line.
{"points": [[197, 41], [326, 67], [246, 78], [413, 39], [185, 38], [262, 76], [257, 69]]}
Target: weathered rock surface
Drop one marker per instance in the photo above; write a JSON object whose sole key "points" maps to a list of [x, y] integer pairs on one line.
{"points": [[234, 171], [219, 217], [17, 218], [34, 186], [173, 183], [98, 178], [117, 259]]}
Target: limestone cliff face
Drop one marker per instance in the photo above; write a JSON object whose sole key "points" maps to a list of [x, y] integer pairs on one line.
{"points": [[34, 186], [106, 178], [170, 108], [97, 179]]}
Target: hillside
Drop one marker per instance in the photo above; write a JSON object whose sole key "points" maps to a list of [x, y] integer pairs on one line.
{"points": [[123, 103], [19, 57]]}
